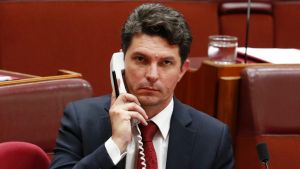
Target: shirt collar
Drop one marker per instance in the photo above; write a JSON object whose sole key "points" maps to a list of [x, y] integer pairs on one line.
{"points": [[163, 119]]}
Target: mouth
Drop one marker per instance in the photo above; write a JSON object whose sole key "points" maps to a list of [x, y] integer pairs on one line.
{"points": [[148, 89]]}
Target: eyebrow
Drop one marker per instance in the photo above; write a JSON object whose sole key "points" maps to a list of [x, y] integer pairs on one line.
{"points": [[138, 53], [169, 57], [146, 54]]}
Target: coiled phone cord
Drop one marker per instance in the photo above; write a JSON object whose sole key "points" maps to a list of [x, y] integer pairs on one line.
{"points": [[140, 147]]}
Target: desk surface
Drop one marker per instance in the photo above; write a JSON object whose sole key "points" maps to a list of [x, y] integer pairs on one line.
{"points": [[18, 78], [15, 75]]}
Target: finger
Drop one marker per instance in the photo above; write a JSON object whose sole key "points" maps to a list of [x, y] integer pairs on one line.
{"points": [[127, 97], [137, 116], [132, 106], [113, 97]]}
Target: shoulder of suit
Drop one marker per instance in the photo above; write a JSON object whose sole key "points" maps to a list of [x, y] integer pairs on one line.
{"points": [[100, 100], [90, 107], [93, 105]]}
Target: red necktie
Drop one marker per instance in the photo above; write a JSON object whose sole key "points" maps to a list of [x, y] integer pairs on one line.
{"points": [[148, 133]]}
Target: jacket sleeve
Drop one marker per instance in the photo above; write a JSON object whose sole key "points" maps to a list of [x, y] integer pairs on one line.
{"points": [[69, 145], [225, 157]]}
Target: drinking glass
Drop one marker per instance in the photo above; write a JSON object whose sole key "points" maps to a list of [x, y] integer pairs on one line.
{"points": [[222, 49]]}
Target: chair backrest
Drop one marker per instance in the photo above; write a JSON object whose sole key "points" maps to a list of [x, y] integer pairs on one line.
{"points": [[233, 22], [269, 112], [22, 155], [31, 112]]}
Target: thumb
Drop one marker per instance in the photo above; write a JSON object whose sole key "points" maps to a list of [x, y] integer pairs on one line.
{"points": [[113, 97]]}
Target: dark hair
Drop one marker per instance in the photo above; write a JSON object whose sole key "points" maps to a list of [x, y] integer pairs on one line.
{"points": [[157, 19]]}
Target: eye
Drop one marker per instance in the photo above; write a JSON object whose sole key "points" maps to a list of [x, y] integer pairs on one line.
{"points": [[140, 58], [167, 62]]}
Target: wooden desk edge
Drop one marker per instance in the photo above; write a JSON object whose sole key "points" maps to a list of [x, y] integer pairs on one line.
{"points": [[40, 79]]}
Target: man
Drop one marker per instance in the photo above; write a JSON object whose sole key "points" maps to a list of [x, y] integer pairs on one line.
{"points": [[98, 132]]}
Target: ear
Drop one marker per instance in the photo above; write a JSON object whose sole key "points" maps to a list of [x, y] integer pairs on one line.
{"points": [[184, 68]]}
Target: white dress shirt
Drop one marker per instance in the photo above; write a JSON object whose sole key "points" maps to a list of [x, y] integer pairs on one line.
{"points": [[160, 141]]}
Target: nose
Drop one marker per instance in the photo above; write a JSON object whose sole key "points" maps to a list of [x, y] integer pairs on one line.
{"points": [[152, 73]]}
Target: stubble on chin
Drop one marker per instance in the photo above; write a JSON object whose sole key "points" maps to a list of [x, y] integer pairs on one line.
{"points": [[148, 101]]}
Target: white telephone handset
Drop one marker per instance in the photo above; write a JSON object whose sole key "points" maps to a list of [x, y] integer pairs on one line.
{"points": [[117, 70], [116, 73]]}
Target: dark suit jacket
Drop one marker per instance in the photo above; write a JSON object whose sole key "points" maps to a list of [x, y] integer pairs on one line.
{"points": [[197, 141]]}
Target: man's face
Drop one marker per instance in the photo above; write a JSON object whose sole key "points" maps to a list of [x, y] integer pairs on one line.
{"points": [[152, 70]]}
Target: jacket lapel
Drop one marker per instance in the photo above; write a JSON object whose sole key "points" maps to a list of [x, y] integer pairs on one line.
{"points": [[121, 164], [182, 138]]}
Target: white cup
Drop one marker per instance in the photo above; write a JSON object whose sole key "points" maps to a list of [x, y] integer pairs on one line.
{"points": [[222, 49]]}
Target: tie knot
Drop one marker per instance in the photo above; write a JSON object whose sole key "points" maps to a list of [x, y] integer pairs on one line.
{"points": [[148, 131]]}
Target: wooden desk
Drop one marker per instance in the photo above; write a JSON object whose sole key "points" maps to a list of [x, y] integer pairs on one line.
{"points": [[26, 78], [214, 89], [15, 75], [199, 88]]}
